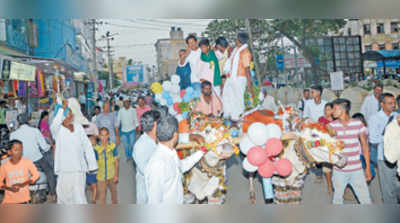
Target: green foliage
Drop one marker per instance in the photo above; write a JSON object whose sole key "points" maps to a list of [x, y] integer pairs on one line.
{"points": [[184, 106], [251, 102]]}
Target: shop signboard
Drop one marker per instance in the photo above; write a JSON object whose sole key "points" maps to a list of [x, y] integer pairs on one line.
{"points": [[22, 72], [337, 81]]}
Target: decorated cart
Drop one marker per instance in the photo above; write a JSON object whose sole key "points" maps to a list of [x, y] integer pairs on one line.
{"points": [[277, 146]]}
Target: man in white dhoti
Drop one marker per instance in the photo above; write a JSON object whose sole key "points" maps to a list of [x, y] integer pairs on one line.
{"points": [[164, 171], [74, 155], [238, 68]]}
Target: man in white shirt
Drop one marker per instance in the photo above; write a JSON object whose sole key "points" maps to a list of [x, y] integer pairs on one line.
{"points": [[127, 118], [302, 103], [164, 171], [376, 129], [269, 102], [144, 148], [315, 107], [192, 55], [33, 142], [370, 105]]}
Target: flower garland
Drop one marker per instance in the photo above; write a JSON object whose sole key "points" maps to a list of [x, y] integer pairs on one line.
{"points": [[214, 131], [325, 140]]}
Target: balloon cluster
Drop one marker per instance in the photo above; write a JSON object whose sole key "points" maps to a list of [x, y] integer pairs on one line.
{"points": [[177, 100], [261, 145]]}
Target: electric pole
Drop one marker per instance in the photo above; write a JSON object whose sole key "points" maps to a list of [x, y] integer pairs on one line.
{"points": [[255, 60], [109, 37], [93, 24]]}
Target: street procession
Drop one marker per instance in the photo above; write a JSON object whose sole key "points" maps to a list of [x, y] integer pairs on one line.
{"points": [[210, 111]]}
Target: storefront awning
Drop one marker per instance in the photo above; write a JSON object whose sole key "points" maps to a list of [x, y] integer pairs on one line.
{"points": [[381, 55]]}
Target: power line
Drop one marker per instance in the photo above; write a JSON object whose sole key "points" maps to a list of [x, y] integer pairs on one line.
{"points": [[162, 24], [135, 45], [172, 22], [137, 27]]}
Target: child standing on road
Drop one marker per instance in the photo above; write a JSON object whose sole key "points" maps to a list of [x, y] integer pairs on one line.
{"points": [[91, 179], [107, 160], [19, 173]]}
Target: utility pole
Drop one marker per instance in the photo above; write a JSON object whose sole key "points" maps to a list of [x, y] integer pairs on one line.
{"points": [[255, 60], [94, 51], [109, 37], [295, 61], [93, 24]]}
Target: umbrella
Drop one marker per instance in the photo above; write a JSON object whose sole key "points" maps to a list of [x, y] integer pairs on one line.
{"points": [[267, 83]]}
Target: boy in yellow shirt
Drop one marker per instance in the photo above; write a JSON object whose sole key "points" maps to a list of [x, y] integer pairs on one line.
{"points": [[107, 161]]}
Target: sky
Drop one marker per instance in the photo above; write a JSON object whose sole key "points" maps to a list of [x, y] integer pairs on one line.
{"points": [[136, 37]]}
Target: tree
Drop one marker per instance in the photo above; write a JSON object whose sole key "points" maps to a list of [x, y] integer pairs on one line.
{"points": [[299, 30]]}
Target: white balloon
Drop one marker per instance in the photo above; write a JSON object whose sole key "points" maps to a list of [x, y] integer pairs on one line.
{"points": [[175, 79], [167, 85], [245, 144], [274, 131], [175, 89], [248, 167], [258, 133]]}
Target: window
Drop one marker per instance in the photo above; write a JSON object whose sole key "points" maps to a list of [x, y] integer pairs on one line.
{"points": [[368, 48], [394, 27], [382, 47], [380, 28], [367, 28]]}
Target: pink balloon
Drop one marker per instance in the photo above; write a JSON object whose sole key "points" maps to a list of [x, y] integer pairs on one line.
{"points": [[283, 167], [273, 146], [176, 107], [183, 92], [267, 169], [257, 156]]}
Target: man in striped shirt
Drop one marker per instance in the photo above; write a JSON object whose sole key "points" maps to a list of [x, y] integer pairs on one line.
{"points": [[354, 136]]}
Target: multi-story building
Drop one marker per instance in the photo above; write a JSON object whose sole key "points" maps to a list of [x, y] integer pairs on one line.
{"points": [[167, 52], [376, 34], [119, 66]]}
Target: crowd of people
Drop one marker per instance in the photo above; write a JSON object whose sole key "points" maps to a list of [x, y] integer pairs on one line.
{"points": [[76, 154]]}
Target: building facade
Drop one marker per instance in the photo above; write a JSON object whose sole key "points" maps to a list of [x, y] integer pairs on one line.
{"points": [[376, 34], [167, 53]]}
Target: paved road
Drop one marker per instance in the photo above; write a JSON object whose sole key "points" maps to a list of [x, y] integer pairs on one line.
{"points": [[238, 191]]}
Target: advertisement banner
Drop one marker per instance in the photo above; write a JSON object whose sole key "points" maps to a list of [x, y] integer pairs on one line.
{"points": [[22, 72], [134, 73]]}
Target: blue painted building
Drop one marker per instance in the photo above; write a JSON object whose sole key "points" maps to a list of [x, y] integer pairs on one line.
{"points": [[57, 39], [46, 38], [13, 37]]}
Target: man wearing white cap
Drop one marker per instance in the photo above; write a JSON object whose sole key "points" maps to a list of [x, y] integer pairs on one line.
{"points": [[127, 118], [74, 155]]}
